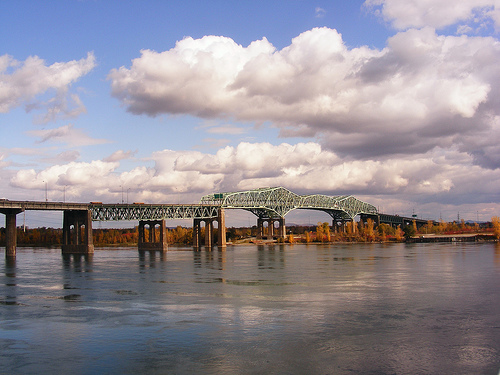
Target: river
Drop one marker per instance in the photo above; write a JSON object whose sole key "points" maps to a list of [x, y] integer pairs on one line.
{"points": [[282, 309]]}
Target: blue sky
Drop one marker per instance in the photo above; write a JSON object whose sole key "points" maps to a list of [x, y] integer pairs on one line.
{"points": [[169, 101]]}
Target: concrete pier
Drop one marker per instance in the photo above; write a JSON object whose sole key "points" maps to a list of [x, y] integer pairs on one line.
{"points": [[281, 232], [151, 242], [77, 232], [221, 240], [209, 229], [10, 231]]}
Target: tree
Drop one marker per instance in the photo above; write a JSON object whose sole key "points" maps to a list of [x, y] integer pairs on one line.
{"points": [[319, 232], [369, 232], [495, 221], [323, 232], [409, 231], [429, 227], [384, 230], [398, 233], [308, 236]]}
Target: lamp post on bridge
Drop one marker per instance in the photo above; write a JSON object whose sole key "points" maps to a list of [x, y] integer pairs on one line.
{"points": [[46, 196]]}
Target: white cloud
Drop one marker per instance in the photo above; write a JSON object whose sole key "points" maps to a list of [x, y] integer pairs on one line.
{"points": [[423, 89], [65, 134], [65, 156], [214, 143], [320, 12], [120, 155], [81, 175], [23, 83], [437, 14], [304, 168], [225, 129]]}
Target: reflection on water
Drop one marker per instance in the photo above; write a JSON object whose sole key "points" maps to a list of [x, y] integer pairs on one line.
{"points": [[10, 282], [497, 254], [320, 309]]}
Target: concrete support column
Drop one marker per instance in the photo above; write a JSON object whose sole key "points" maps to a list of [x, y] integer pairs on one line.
{"points": [[163, 234], [260, 228], [73, 241], [141, 238], [10, 231], [89, 238], [270, 229], [282, 228], [222, 229], [209, 228], [197, 233], [152, 234]]}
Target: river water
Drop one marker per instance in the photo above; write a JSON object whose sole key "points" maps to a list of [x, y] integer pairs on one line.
{"points": [[282, 309]]}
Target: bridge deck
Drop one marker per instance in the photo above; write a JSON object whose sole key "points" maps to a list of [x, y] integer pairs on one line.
{"points": [[42, 206], [115, 212]]}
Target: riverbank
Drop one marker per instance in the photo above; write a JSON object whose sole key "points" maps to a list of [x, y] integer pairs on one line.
{"points": [[422, 238], [472, 237]]}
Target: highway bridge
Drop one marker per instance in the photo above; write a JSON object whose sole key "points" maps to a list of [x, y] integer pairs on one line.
{"points": [[268, 204]]}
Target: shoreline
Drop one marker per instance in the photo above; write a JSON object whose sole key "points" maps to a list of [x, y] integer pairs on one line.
{"points": [[422, 238]]}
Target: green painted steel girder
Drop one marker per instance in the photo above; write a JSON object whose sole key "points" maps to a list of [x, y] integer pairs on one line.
{"points": [[115, 212], [276, 202]]}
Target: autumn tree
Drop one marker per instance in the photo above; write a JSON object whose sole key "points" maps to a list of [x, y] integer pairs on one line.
{"points": [[398, 233], [409, 231], [369, 231], [308, 236], [429, 228], [319, 232], [495, 221], [323, 232]]}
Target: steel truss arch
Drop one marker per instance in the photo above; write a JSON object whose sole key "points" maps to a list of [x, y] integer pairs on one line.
{"points": [[276, 202]]}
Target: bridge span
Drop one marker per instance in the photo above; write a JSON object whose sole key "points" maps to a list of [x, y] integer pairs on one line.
{"points": [[268, 204]]}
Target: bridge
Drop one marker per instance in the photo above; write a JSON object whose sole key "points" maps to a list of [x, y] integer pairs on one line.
{"points": [[268, 204]]}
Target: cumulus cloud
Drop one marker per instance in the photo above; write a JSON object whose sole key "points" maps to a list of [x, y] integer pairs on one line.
{"points": [[304, 168], [437, 14], [67, 134], [423, 89], [94, 174], [24, 82]]}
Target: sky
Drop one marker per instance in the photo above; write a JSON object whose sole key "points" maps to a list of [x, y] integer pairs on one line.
{"points": [[395, 103]]}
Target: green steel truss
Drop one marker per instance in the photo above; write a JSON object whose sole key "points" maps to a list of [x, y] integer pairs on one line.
{"points": [[276, 202], [113, 212]]}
